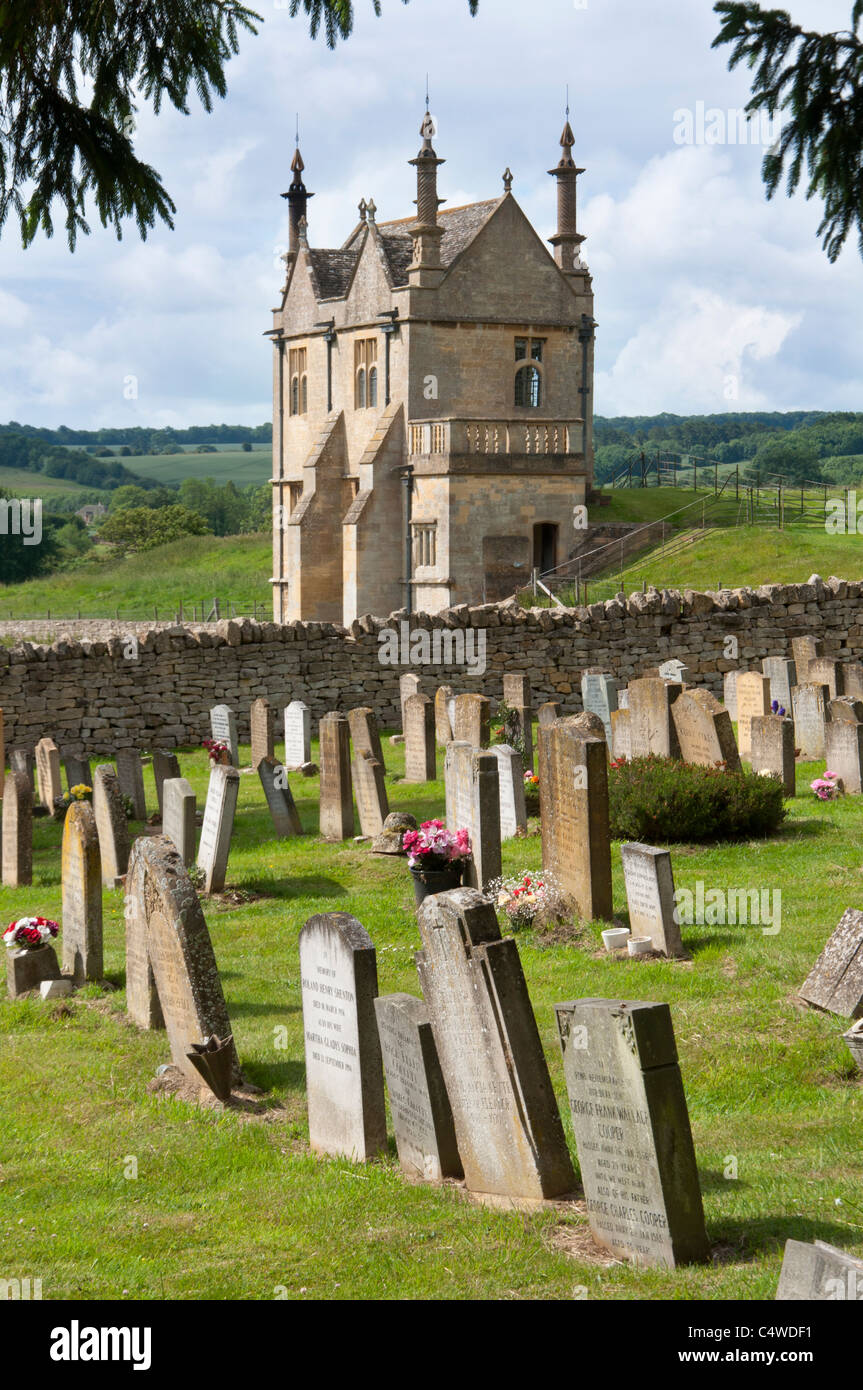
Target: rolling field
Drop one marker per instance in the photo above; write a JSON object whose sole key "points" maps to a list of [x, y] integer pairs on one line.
{"points": [[228, 465]]}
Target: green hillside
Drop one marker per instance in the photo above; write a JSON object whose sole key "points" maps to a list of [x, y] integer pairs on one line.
{"points": [[23, 483], [225, 465]]}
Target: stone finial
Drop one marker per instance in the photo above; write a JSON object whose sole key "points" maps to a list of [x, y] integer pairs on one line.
{"points": [[507, 180], [363, 208], [302, 232], [371, 208]]}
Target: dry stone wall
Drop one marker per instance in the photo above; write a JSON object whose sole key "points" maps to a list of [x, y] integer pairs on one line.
{"points": [[91, 698]]}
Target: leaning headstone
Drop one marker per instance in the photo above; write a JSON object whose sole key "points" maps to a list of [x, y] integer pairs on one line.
{"points": [[442, 725], [166, 766], [78, 772], [130, 775], [835, 982], [473, 720], [111, 824], [409, 684], [573, 798], [547, 713], [508, 1128], [223, 727], [82, 895], [298, 734], [809, 706], [178, 820], [632, 1130], [843, 751], [771, 752], [819, 1273], [337, 805], [364, 733], [845, 709], [274, 780], [510, 772], [172, 979], [729, 693], [371, 793], [825, 672], [704, 732], [218, 826], [17, 831], [262, 719], [419, 1104], [782, 675], [649, 883], [473, 804], [420, 751], [344, 1071], [391, 838], [753, 697], [48, 772], [804, 650], [599, 696], [651, 724]]}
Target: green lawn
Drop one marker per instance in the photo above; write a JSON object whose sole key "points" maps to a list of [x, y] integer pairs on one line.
{"points": [[232, 1205]]}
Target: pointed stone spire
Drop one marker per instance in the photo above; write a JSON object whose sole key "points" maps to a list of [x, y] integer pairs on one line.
{"points": [[425, 231], [507, 180], [363, 209], [566, 239], [298, 198], [371, 208]]}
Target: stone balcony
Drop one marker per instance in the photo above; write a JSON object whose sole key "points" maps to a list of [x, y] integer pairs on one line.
{"points": [[455, 445]]}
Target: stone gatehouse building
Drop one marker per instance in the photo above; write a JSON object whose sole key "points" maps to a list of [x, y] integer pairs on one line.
{"points": [[433, 402]]}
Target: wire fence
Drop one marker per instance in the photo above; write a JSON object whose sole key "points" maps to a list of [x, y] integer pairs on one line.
{"points": [[207, 610]]}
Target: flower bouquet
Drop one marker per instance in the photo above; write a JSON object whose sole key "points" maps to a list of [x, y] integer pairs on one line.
{"points": [[80, 792], [526, 900], [531, 793], [219, 752], [29, 933], [828, 787], [436, 857]]}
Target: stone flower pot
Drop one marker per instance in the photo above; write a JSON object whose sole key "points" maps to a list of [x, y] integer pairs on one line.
{"points": [[27, 967]]}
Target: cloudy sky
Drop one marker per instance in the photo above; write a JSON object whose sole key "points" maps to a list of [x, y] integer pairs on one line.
{"points": [[708, 297]]}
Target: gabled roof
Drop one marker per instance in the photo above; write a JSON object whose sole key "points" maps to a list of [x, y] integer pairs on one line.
{"points": [[333, 271]]}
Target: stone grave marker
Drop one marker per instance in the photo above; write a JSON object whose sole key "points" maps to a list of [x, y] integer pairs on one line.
{"points": [[344, 1070], [782, 675], [166, 766], [517, 695], [547, 713], [17, 831], [111, 824], [473, 720], [419, 1104], [420, 751], [23, 760], [753, 697], [82, 895], [822, 671], [729, 693], [674, 670], [599, 696], [130, 775], [274, 780], [573, 798], [262, 720], [632, 1130], [78, 772], [621, 740], [516, 690], [48, 772], [178, 821], [704, 731], [510, 773], [819, 1272], [298, 734], [172, 979], [809, 706], [337, 804], [2, 755], [391, 838], [473, 804], [442, 724], [649, 882], [507, 1124], [772, 749], [651, 725], [854, 1040], [843, 751], [371, 792], [364, 733], [218, 826], [623, 698], [835, 983], [852, 679], [805, 649], [845, 709], [223, 728], [409, 684]]}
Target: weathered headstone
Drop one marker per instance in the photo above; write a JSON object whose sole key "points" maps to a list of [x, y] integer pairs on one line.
{"points": [[23, 760], [835, 982], [48, 772], [704, 732], [649, 882], [391, 838], [262, 719], [364, 733], [823, 671], [809, 706], [371, 792], [337, 805], [172, 979], [298, 734], [651, 725], [510, 772], [409, 684], [516, 690], [852, 679], [547, 713], [473, 720], [772, 749], [78, 772], [166, 766], [843, 751], [111, 824], [130, 775], [805, 649], [517, 695], [599, 696], [573, 798], [854, 1041], [274, 780], [819, 1273], [845, 709], [218, 826], [508, 1128], [442, 725], [344, 1071], [178, 820], [473, 804], [674, 670], [782, 675], [729, 693], [223, 728], [419, 1104], [82, 895], [632, 1130], [621, 740], [420, 751], [17, 831], [753, 697]]}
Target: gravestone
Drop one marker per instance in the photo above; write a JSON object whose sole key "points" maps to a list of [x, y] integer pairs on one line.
{"points": [[262, 719], [852, 679], [825, 672], [473, 804], [621, 740], [623, 698], [82, 895], [409, 684], [2, 755], [517, 694], [510, 774], [172, 979], [218, 826], [854, 1041], [419, 1104], [704, 732], [772, 749], [651, 726], [364, 733], [782, 675], [298, 734], [632, 1130], [23, 760], [508, 1128], [130, 775], [573, 799], [547, 713], [845, 709], [391, 838], [337, 805], [371, 792], [111, 824], [178, 821], [649, 884], [17, 831], [419, 727], [223, 728], [753, 697], [804, 650], [674, 670], [729, 693], [819, 1273], [843, 751], [442, 725], [166, 767], [835, 983], [809, 706], [78, 772], [472, 720], [48, 772], [344, 1071], [599, 696], [516, 690], [274, 780]]}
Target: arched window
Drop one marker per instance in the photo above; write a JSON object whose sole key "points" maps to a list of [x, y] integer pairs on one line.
{"points": [[373, 385], [299, 391], [365, 373], [304, 395], [528, 387], [361, 388], [295, 395]]}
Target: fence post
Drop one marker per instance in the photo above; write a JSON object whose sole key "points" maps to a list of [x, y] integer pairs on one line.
{"points": [[737, 483]]}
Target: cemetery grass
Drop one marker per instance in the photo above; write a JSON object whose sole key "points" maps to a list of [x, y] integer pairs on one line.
{"points": [[232, 1205]]}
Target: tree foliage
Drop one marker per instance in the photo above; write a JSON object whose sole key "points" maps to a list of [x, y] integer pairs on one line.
{"points": [[143, 528]]}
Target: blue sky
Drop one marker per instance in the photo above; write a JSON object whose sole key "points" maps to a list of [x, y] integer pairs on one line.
{"points": [[708, 297]]}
